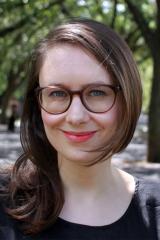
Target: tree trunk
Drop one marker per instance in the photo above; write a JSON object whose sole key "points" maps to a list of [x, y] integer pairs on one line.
{"points": [[154, 113], [5, 101], [152, 39]]}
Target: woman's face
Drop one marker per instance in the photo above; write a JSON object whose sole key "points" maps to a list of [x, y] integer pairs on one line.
{"points": [[76, 131]]}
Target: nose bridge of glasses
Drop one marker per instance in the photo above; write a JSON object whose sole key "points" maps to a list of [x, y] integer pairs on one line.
{"points": [[74, 96], [76, 105], [76, 93]]}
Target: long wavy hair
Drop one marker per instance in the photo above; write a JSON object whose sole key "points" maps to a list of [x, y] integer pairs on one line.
{"points": [[35, 189]]}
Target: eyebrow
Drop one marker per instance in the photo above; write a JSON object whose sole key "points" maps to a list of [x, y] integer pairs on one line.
{"points": [[82, 86]]}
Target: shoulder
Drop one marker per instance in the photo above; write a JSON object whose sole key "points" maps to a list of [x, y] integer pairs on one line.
{"points": [[4, 187], [4, 180], [147, 203], [148, 192], [5, 177], [8, 227]]}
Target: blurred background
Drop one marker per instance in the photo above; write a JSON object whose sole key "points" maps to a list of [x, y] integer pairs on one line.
{"points": [[24, 22]]}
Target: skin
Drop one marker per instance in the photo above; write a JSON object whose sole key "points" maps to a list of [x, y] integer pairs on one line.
{"points": [[102, 191]]}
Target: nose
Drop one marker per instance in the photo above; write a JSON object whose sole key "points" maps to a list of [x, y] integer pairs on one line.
{"points": [[77, 114]]}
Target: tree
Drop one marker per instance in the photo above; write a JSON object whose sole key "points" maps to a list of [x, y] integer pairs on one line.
{"points": [[139, 23], [23, 23], [152, 39]]}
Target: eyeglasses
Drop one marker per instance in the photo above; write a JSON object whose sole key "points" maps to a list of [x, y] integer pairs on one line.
{"points": [[95, 98]]}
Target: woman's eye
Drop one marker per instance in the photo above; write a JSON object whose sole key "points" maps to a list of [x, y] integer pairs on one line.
{"points": [[95, 93], [57, 94]]}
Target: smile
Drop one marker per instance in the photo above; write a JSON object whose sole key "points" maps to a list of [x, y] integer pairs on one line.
{"points": [[79, 136]]}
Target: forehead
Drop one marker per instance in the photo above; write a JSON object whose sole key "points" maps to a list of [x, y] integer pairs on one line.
{"points": [[66, 64]]}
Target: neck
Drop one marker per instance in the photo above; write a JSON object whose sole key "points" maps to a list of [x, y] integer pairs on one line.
{"points": [[93, 179], [100, 191]]}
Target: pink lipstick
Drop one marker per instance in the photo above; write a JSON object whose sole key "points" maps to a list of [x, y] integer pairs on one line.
{"points": [[79, 136]]}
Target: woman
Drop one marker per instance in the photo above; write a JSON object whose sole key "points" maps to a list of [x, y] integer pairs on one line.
{"points": [[82, 105]]}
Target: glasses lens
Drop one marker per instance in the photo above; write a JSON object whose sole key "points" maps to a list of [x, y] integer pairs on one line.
{"points": [[54, 100], [99, 98]]}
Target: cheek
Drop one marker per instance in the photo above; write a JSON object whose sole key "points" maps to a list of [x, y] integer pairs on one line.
{"points": [[50, 120], [108, 120], [50, 123]]}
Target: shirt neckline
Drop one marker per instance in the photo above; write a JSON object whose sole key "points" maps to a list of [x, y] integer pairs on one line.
{"points": [[118, 221]]}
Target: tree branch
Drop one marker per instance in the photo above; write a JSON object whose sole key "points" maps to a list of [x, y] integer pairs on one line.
{"points": [[114, 14], [158, 5], [132, 38], [99, 8], [141, 22], [10, 5], [25, 20], [158, 17], [65, 10], [13, 27]]}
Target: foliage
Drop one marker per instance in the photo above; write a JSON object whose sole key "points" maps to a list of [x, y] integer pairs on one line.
{"points": [[24, 22]]}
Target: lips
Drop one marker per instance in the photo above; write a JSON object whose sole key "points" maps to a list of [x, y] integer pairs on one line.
{"points": [[79, 136]]}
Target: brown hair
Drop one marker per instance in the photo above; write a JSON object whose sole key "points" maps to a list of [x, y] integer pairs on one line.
{"points": [[35, 189]]}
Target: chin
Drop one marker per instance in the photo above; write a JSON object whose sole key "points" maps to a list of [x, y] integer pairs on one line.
{"points": [[80, 157]]}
